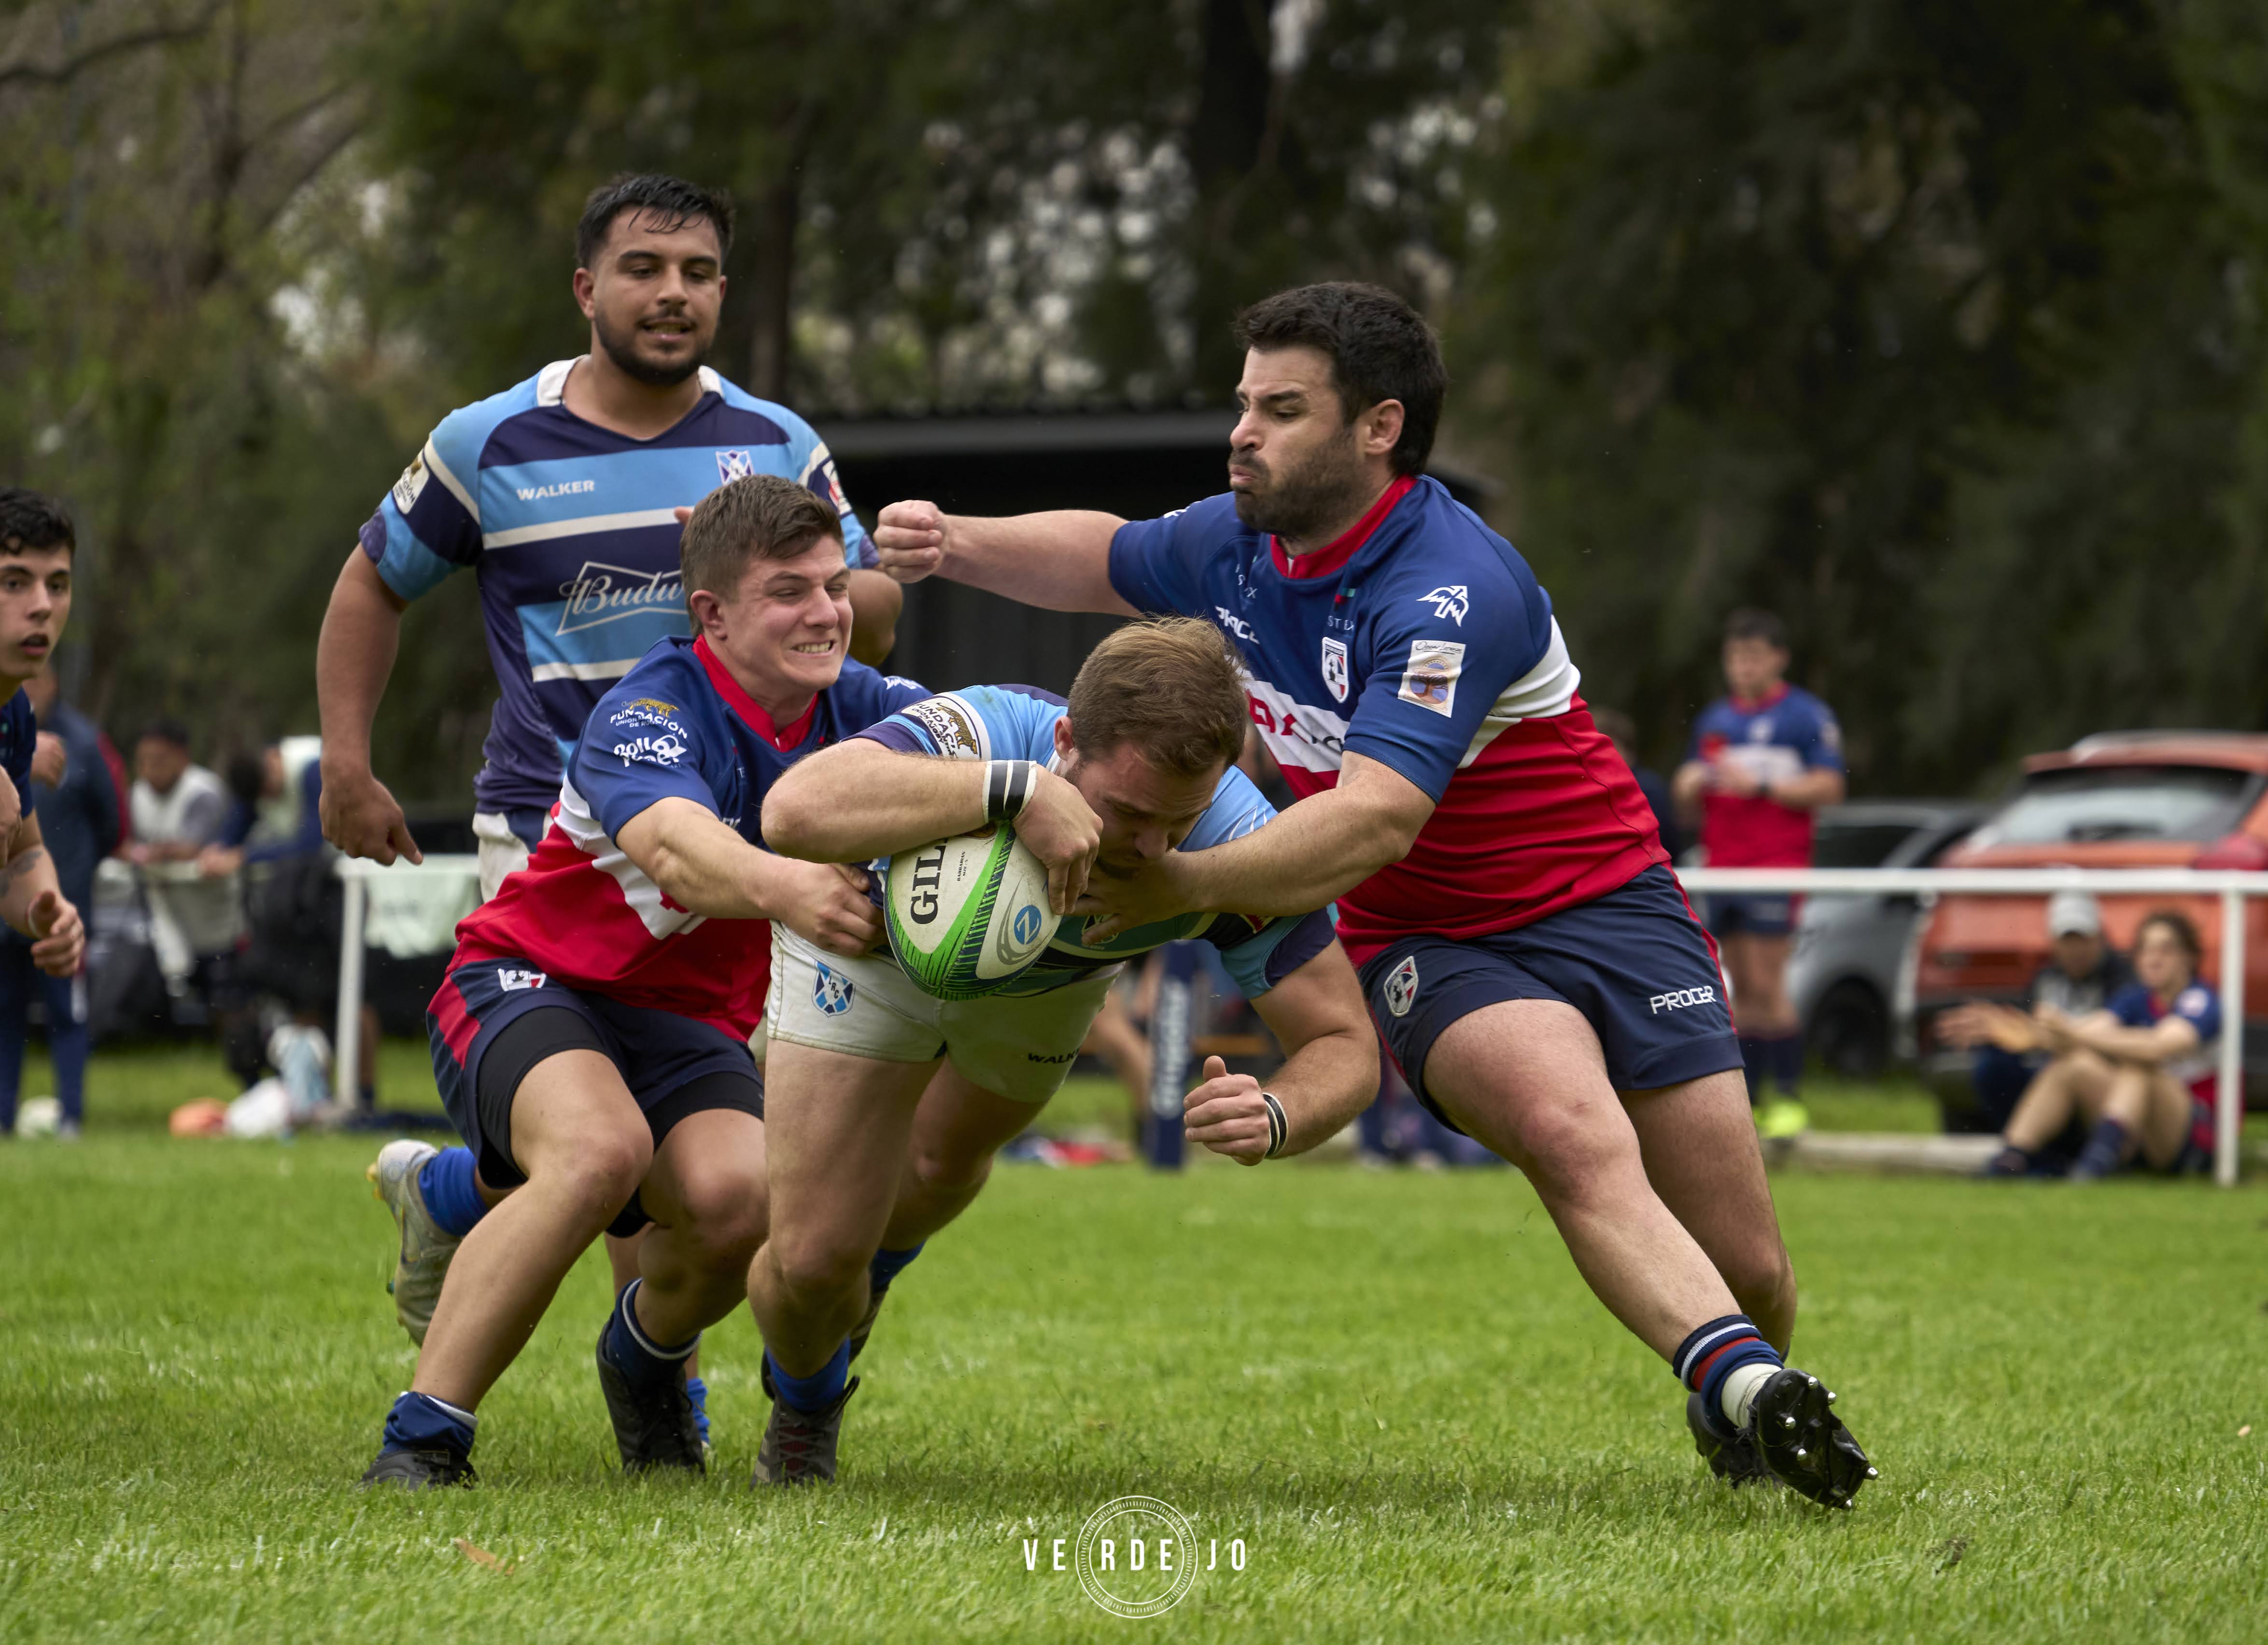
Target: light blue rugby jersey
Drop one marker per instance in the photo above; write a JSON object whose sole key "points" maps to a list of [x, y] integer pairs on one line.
{"points": [[571, 530], [1018, 722]]}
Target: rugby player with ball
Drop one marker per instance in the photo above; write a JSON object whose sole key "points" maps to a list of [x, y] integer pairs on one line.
{"points": [[894, 1077]]}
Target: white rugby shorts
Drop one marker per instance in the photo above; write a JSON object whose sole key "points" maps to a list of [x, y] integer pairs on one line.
{"points": [[1020, 1047]]}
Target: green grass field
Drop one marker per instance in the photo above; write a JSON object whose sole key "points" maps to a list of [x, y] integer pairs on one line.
{"points": [[1391, 1387]]}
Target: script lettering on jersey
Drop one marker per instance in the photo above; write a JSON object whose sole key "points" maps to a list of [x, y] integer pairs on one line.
{"points": [[929, 874], [564, 488], [1297, 734], [662, 750], [603, 593], [951, 726]]}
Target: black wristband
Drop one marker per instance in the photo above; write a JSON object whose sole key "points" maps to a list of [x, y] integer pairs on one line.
{"points": [[1007, 790], [1279, 1129]]}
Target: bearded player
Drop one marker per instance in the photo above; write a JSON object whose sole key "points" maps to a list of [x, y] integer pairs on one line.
{"points": [[1524, 946], [887, 1104]]}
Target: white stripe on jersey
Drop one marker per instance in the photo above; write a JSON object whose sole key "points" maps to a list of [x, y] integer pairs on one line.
{"points": [[440, 471], [613, 668], [1314, 738], [551, 529], [641, 893]]}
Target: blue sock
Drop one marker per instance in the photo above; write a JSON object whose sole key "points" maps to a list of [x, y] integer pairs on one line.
{"points": [[1785, 1054], [421, 1422], [1714, 1351], [1753, 1064], [451, 1195], [640, 1359], [2105, 1151], [697, 1392], [820, 1389], [888, 1265]]}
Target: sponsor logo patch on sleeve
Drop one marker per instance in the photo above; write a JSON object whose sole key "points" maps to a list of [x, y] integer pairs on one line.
{"points": [[411, 484], [1430, 678], [950, 726]]}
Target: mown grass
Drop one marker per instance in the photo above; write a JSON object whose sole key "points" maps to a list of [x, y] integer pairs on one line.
{"points": [[1393, 1387]]}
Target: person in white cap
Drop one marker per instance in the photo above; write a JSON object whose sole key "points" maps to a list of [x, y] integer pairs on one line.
{"points": [[2082, 974]]}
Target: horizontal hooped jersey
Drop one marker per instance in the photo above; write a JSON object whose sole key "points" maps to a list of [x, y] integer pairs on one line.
{"points": [[20, 737], [1422, 640], [678, 726], [571, 531], [1785, 733], [1018, 722]]}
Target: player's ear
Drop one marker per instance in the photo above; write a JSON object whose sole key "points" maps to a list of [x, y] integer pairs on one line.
{"points": [[708, 613], [1384, 430], [1063, 739], [586, 286]]}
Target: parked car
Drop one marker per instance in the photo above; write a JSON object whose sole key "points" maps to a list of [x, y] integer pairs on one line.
{"points": [[2123, 800], [1843, 976]]}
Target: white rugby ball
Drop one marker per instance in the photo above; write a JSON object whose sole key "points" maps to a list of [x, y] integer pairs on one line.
{"points": [[968, 915]]}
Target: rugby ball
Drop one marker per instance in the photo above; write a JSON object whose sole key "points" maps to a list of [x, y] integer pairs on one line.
{"points": [[968, 915]]}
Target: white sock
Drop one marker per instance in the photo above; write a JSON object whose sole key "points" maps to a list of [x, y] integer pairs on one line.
{"points": [[1740, 1388]]}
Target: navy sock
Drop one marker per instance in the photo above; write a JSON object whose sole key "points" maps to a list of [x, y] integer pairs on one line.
{"points": [[452, 1194], [888, 1265], [1785, 1056], [641, 1360], [820, 1389], [2105, 1151], [1714, 1351], [1753, 1064], [421, 1422]]}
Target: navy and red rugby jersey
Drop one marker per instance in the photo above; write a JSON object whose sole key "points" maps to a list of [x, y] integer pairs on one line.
{"points": [[1784, 734], [676, 725], [1421, 639]]}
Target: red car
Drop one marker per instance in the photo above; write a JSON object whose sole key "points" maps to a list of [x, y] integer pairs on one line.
{"points": [[2123, 800]]}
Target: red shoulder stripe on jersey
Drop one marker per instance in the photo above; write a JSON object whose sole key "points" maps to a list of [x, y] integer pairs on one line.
{"points": [[747, 707], [1324, 561]]}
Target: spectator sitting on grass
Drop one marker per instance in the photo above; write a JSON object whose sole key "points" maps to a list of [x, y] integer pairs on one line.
{"points": [[2139, 1070], [2084, 973]]}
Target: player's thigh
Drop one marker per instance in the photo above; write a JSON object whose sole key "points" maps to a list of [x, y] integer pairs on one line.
{"points": [[573, 1117], [960, 1127], [708, 1178], [1528, 1079], [1702, 1156], [2168, 1110]]}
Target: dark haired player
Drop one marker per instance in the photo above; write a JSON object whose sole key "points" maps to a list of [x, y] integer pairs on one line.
{"points": [[590, 1039], [1526, 950], [37, 546], [1764, 758], [560, 495]]}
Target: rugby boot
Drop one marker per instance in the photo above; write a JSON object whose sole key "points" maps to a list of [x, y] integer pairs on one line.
{"points": [[427, 1470], [654, 1427], [1801, 1442], [798, 1446], [1730, 1454], [426, 1246]]}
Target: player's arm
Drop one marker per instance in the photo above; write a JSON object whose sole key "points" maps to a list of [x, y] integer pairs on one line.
{"points": [[33, 903], [1819, 786], [2169, 1037], [1687, 785], [876, 600], [1059, 560], [362, 629], [1330, 1075], [859, 800], [1326, 844], [706, 867]]}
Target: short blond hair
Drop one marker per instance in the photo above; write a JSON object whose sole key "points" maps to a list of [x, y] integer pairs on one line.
{"points": [[1170, 687]]}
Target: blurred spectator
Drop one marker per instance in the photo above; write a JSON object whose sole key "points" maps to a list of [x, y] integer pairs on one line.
{"points": [[79, 820], [2140, 1071], [1764, 759], [177, 808], [2082, 974], [1622, 731]]}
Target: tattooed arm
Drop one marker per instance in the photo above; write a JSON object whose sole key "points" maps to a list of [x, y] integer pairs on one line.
{"points": [[31, 901]]}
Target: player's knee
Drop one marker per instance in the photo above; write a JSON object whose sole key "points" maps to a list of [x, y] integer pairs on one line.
{"points": [[1572, 1152], [724, 1216], [816, 1267], [600, 1174], [944, 1171]]}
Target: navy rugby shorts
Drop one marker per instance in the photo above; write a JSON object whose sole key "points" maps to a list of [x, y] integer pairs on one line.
{"points": [[1635, 962], [1756, 914], [491, 1021]]}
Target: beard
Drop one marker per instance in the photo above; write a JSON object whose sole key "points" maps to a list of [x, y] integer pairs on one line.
{"points": [[622, 351], [1307, 498]]}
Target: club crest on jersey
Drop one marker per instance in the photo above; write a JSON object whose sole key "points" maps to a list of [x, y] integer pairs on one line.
{"points": [[1401, 987], [515, 982], [831, 994], [1430, 679], [1334, 668], [1450, 600], [734, 465]]}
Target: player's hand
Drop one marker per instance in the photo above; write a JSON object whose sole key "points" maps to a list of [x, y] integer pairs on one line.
{"points": [[217, 862], [1227, 1115], [1115, 903], [50, 760], [361, 817], [1727, 777], [12, 810], [909, 538], [1062, 830], [59, 938], [826, 904]]}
